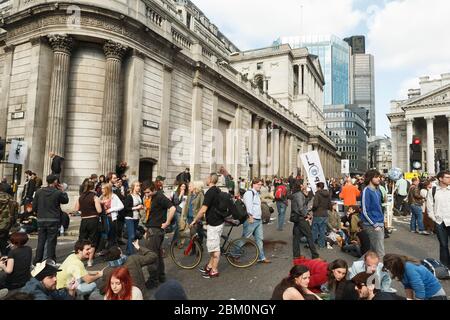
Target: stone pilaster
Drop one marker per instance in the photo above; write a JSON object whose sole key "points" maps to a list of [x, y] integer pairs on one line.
{"points": [[255, 147], [62, 46], [394, 145], [164, 127], [112, 111], [196, 127], [275, 152], [430, 146], [287, 155], [281, 153], [263, 146]]}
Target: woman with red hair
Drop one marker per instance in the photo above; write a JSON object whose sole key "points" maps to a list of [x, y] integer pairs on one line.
{"points": [[120, 286]]}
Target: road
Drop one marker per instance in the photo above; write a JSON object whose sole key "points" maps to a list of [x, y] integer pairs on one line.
{"points": [[258, 281]]}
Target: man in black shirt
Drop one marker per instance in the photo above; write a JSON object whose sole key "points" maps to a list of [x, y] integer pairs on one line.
{"points": [[154, 237], [214, 228]]}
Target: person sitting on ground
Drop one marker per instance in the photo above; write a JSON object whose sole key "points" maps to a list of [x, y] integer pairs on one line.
{"points": [[371, 263], [17, 264], [72, 269], [134, 263], [335, 234], [295, 286], [28, 219], [120, 286], [419, 282], [360, 245], [44, 282], [318, 271], [367, 290], [350, 222], [171, 290], [337, 272]]}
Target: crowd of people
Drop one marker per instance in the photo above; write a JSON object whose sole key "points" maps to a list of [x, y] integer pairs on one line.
{"points": [[124, 224]]}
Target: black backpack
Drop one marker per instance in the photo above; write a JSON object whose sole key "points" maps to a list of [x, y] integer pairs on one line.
{"points": [[224, 204], [436, 268]]}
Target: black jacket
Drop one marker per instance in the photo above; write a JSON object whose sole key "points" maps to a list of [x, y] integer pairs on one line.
{"points": [[321, 203], [57, 164], [128, 206], [5, 187], [47, 203]]}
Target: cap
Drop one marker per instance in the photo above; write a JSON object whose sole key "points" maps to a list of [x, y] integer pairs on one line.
{"points": [[160, 178], [44, 269]]}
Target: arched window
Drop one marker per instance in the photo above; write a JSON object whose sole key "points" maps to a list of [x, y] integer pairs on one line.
{"points": [[259, 82]]}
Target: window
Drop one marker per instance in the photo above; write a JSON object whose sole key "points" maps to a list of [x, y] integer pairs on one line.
{"points": [[259, 66]]}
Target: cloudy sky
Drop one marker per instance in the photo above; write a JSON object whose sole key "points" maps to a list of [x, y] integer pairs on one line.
{"points": [[409, 38]]}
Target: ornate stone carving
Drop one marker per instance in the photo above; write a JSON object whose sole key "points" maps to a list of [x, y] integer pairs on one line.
{"points": [[61, 43], [114, 50]]}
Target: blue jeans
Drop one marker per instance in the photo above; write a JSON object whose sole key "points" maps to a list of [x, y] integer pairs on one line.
{"points": [[86, 288], [416, 215], [281, 207], [319, 229], [443, 232], [255, 229], [131, 225], [174, 225]]}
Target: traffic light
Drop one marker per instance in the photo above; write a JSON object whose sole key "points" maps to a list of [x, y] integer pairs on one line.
{"points": [[2, 148], [416, 154]]}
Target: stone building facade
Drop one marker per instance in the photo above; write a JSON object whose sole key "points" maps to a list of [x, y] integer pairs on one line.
{"points": [[145, 81], [380, 154], [426, 115]]}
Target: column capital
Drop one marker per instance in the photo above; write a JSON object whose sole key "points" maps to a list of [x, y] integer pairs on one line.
{"points": [[9, 48], [137, 53], [61, 43], [409, 120], [429, 118], [114, 50]]}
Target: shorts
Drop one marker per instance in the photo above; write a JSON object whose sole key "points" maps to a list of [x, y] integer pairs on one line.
{"points": [[213, 237]]}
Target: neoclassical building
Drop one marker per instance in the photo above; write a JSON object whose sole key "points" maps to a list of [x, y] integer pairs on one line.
{"points": [[426, 115], [144, 81]]}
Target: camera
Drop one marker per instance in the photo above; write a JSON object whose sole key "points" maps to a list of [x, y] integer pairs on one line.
{"points": [[139, 233]]}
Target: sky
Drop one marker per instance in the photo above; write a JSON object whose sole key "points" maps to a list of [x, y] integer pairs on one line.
{"points": [[408, 38]]}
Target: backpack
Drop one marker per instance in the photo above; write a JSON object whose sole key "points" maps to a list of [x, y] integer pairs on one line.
{"points": [[239, 211], [280, 193], [7, 211], [224, 205], [266, 211], [436, 268]]}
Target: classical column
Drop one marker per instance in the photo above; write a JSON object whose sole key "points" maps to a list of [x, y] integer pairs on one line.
{"points": [[448, 158], [196, 129], [287, 141], [255, 146], [281, 153], [394, 151], [276, 152], [56, 124], [263, 158], [430, 146], [409, 140], [112, 112], [165, 116]]}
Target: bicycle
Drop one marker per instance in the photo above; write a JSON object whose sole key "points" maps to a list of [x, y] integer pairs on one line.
{"points": [[187, 251]]}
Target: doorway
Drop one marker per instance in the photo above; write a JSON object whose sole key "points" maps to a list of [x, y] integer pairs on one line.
{"points": [[146, 166]]}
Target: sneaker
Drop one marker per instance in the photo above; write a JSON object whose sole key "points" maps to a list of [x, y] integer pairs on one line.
{"points": [[204, 269], [329, 246], [211, 275], [425, 233], [413, 231]]}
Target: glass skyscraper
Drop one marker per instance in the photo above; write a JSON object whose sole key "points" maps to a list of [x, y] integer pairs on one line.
{"points": [[334, 56]]}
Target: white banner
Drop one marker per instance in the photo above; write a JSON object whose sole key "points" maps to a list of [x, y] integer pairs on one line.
{"points": [[313, 167], [17, 152], [345, 166]]}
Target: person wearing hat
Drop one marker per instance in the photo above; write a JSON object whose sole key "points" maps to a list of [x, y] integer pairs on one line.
{"points": [[47, 205], [160, 178], [43, 283], [366, 286]]}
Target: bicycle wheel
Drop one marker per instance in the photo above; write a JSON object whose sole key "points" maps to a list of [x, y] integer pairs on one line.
{"points": [[242, 253], [185, 253]]}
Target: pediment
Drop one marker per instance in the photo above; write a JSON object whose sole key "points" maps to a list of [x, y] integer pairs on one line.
{"points": [[435, 97]]}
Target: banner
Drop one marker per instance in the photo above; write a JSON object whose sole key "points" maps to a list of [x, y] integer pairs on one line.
{"points": [[313, 167], [345, 166], [17, 152]]}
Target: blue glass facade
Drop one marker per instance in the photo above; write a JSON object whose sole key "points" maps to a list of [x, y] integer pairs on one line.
{"points": [[334, 56]]}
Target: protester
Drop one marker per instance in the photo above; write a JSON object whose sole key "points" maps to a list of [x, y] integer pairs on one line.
{"points": [[337, 272], [349, 194], [90, 207], [214, 228], [438, 209], [98, 185], [162, 213], [371, 263], [335, 234], [321, 205], [179, 198], [319, 272], [401, 192], [28, 220], [133, 205], [184, 176], [428, 224], [7, 219], [29, 188], [367, 290], [302, 228], [56, 165], [43, 283], [419, 282], [111, 206], [360, 245], [295, 286], [281, 200], [120, 286], [17, 264], [415, 201], [193, 205], [372, 214], [134, 264], [6, 187], [47, 204], [73, 270]]}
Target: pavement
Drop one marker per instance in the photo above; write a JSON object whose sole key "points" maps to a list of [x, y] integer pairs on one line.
{"points": [[259, 281]]}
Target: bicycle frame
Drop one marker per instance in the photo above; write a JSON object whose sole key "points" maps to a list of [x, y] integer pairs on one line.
{"points": [[187, 251], [226, 240]]}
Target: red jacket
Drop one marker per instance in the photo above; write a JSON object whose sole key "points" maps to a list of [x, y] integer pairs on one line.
{"points": [[318, 270]]}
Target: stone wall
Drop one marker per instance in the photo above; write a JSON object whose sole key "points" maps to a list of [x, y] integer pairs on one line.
{"points": [[207, 132]]}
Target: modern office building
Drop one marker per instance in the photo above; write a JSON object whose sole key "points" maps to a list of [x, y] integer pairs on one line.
{"points": [[346, 126], [380, 154], [334, 56], [357, 43]]}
